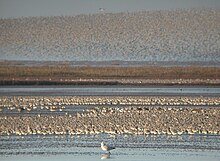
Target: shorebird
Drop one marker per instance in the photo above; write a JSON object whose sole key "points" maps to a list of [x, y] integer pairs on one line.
{"points": [[107, 148]]}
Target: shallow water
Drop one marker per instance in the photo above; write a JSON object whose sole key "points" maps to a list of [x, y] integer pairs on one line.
{"points": [[86, 147], [109, 91]]}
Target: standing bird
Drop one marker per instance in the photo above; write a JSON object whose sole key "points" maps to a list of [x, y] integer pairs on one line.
{"points": [[105, 147]]}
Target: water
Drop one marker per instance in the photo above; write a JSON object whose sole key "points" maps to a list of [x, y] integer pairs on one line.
{"points": [[111, 91], [87, 147]]}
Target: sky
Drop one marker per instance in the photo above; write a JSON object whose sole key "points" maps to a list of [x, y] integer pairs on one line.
{"points": [[26, 8]]}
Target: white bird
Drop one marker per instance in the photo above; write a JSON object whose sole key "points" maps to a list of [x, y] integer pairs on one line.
{"points": [[105, 147]]}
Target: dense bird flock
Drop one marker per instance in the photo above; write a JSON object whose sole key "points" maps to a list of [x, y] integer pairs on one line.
{"points": [[117, 121], [175, 35], [111, 115], [30, 103]]}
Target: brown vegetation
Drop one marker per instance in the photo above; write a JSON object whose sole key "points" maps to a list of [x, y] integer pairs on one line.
{"points": [[58, 74]]}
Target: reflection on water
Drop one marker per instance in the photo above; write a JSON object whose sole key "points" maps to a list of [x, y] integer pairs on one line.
{"points": [[130, 147]]}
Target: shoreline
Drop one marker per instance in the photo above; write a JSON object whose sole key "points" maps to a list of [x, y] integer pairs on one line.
{"points": [[105, 82], [106, 63], [146, 75]]}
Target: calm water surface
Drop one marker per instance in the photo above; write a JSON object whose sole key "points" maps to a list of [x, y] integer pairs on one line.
{"points": [[128, 148], [111, 91]]}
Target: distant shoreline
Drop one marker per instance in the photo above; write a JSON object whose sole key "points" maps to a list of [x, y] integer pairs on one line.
{"points": [[139, 82], [113, 63], [109, 75]]}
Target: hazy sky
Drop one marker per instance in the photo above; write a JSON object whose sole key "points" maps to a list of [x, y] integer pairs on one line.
{"points": [[18, 8]]}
